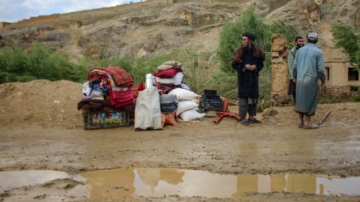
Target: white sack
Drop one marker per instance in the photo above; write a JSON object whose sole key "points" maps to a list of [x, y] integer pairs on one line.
{"points": [[183, 94], [147, 110], [185, 105], [191, 114]]}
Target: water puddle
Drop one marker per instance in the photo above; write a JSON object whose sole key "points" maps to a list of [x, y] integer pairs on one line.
{"points": [[154, 182], [13, 179]]}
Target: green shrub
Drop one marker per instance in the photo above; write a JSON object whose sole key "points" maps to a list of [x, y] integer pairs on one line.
{"points": [[325, 100], [354, 99], [40, 62]]}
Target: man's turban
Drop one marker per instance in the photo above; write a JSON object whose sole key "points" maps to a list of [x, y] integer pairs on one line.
{"points": [[249, 35]]}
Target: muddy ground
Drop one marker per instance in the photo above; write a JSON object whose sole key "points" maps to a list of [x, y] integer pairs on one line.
{"points": [[41, 129]]}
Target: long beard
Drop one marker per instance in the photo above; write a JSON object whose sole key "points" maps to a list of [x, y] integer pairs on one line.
{"points": [[247, 47]]}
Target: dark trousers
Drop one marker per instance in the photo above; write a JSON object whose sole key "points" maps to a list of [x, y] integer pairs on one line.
{"points": [[245, 107], [292, 89]]}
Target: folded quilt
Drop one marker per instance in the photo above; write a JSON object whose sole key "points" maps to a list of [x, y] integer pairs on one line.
{"points": [[119, 75]]}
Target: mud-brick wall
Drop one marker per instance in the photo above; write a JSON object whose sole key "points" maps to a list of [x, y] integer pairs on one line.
{"points": [[338, 68], [339, 91], [280, 76], [338, 74]]}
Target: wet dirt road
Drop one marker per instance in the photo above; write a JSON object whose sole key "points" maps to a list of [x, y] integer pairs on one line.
{"points": [[275, 148]]}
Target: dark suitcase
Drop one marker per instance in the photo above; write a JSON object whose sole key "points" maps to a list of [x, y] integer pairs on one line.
{"points": [[210, 101]]}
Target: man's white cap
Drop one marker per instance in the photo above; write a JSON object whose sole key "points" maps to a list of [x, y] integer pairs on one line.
{"points": [[312, 36]]}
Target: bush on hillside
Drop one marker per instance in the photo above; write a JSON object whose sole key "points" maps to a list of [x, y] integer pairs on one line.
{"points": [[40, 62]]}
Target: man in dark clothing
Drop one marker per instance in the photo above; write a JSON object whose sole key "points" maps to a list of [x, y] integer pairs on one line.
{"points": [[248, 60]]}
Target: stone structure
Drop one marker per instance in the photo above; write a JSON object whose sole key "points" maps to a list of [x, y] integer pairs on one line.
{"points": [[341, 77], [280, 74], [3, 24]]}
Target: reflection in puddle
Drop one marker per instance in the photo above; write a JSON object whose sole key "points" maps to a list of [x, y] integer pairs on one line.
{"points": [[12, 179], [156, 182]]}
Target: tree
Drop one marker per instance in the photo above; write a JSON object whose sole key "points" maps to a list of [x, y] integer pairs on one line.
{"points": [[348, 39], [231, 36]]}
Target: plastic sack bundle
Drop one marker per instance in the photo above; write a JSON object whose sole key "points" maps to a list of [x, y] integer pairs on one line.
{"points": [[147, 110], [168, 103]]}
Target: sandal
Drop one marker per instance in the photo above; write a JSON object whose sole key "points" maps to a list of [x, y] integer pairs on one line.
{"points": [[301, 125], [244, 122], [311, 126], [254, 120]]}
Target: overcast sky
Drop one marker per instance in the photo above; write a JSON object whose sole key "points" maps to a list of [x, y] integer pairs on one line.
{"points": [[16, 10]]}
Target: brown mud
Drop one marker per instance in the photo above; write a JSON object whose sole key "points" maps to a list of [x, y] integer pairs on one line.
{"points": [[41, 129]]}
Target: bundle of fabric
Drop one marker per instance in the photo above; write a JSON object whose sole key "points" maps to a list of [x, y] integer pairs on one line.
{"points": [[169, 76], [97, 106], [112, 81]]}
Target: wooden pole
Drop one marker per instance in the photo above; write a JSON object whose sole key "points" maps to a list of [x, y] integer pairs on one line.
{"points": [[323, 119]]}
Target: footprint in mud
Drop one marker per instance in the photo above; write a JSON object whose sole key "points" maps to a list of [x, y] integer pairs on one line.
{"points": [[40, 197], [118, 188]]}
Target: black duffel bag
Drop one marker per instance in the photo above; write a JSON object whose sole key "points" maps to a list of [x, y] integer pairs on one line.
{"points": [[168, 103]]}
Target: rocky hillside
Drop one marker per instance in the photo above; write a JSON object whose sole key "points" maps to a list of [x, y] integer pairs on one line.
{"points": [[146, 30]]}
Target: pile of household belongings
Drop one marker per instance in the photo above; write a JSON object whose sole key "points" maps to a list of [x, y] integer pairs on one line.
{"points": [[177, 101], [108, 98]]}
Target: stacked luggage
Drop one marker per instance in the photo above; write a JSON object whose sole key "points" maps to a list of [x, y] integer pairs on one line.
{"points": [[108, 98]]}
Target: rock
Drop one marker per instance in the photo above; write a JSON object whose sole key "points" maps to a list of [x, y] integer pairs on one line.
{"points": [[277, 60], [269, 112], [275, 54], [123, 29], [319, 2], [284, 99], [210, 114], [75, 24]]}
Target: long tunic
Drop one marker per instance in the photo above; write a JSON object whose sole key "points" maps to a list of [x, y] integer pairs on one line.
{"points": [[309, 66], [248, 81], [291, 58]]}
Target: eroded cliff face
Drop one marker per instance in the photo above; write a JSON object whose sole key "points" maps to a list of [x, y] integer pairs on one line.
{"points": [[148, 30], [142, 31]]}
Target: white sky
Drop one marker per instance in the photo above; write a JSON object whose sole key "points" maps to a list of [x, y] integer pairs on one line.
{"points": [[16, 10]]}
